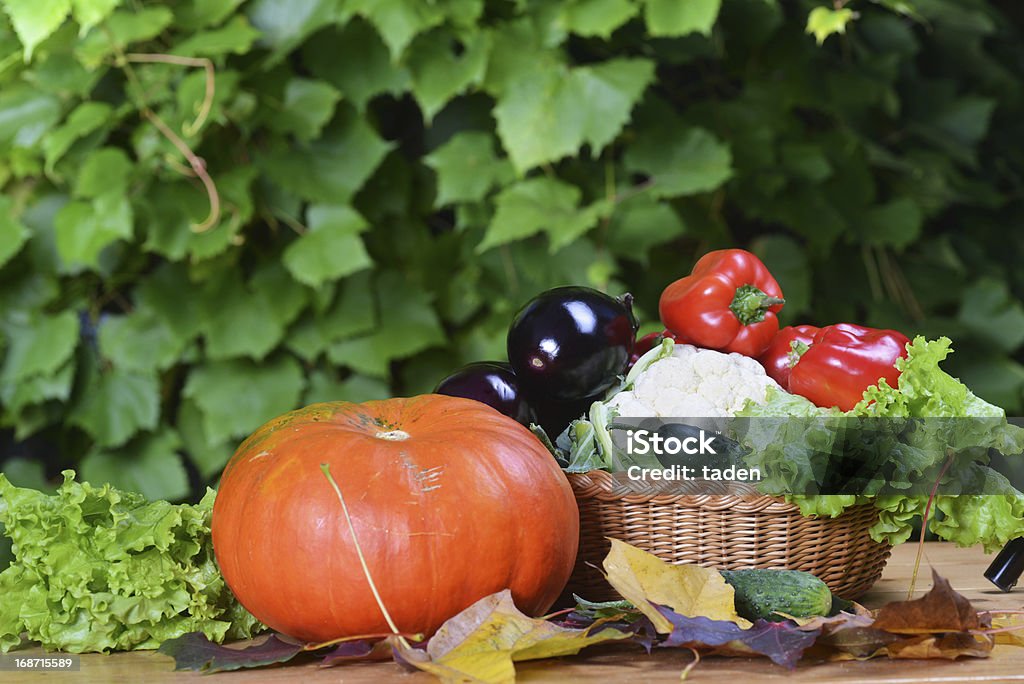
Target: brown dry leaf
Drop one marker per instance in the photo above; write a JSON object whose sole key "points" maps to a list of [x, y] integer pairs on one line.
{"points": [[832, 624], [950, 646], [857, 643], [940, 610], [863, 643], [690, 590], [481, 643]]}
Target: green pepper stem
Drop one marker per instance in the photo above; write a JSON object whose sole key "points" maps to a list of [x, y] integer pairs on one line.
{"points": [[751, 304], [796, 350]]}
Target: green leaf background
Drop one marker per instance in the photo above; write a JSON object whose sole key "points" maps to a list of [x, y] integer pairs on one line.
{"points": [[395, 178]]}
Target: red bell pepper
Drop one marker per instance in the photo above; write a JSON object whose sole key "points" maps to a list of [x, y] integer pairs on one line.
{"points": [[785, 350], [728, 302], [843, 360]]}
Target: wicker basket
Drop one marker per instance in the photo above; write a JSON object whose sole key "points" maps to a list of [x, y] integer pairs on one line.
{"points": [[737, 528]]}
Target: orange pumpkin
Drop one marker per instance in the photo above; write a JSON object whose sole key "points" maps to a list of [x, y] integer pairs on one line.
{"points": [[450, 501]]}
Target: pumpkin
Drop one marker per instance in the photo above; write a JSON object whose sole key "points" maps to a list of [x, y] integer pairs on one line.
{"points": [[450, 501]]}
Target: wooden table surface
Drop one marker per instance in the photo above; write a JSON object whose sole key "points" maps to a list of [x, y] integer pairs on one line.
{"points": [[963, 568]]}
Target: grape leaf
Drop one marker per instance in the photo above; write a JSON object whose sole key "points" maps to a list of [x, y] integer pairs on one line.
{"points": [[307, 107], [331, 249], [438, 74], [104, 171], [85, 119], [172, 208], [510, 42], [209, 456], [237, 320], [121, 29], [680, 17], [356, 61], [84, 229], [285, 297], [148, 466], [787, 261], [236, 37], [467, 168], [196, 14], [236, 397], [540, 118], [896, 224], [170, 295], [22, 472], [680, 164], [26, 115], [596, 17], [115, 404], [641, 222], [330, 169], [39, 344], [355, 388], [88, 13], [825, 21], [13, 234], [283, 24], [37, 389], [992, 313], [351, 314], [399, 21], [35, 20], [140, 341], [408, 324], [537, 204]]}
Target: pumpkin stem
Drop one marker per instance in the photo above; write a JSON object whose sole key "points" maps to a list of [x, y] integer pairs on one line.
{"points": [[393, 435], [359, 552]]}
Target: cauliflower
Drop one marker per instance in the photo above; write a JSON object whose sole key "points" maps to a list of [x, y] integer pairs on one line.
{"points": [[695, 383]]}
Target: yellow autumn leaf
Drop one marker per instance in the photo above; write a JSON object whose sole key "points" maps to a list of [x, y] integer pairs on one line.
{"points": [[481, 643], [1013, 623], [643, 578]]}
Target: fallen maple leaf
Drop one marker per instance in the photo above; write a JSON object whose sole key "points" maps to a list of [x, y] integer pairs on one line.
{"points": [[783, 642], [950, 646], [832, 623], [481, 643], [940, 610], [857, 642], [644, 579], [349, 651]]}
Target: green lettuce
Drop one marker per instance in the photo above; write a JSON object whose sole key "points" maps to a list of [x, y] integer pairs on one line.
{"points": [[97, 569], [924, 390]]}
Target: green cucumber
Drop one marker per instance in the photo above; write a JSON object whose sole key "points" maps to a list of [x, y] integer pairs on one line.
{"points": [[762, 594]]}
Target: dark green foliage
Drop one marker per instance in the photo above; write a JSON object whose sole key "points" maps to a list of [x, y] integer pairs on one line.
{"points": [[396, 178]]}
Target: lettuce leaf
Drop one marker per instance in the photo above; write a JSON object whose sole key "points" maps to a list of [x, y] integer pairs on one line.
{"points": [[97, 569], [926, 391]]}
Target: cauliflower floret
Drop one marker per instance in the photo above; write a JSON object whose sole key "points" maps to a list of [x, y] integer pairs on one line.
{"points": [[695, 383], [626, 404]]}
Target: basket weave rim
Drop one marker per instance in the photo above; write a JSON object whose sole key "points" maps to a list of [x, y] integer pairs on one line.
{"points": [[604, 486]]}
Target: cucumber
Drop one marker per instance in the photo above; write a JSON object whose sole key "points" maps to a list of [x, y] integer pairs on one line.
{"points": [[761, 594]]}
